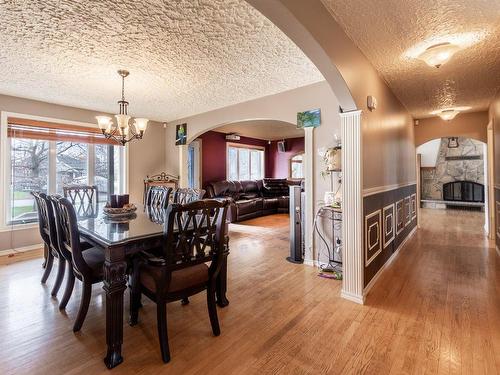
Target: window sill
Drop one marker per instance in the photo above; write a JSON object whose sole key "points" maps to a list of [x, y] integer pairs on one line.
{"points": [[16, 227]]}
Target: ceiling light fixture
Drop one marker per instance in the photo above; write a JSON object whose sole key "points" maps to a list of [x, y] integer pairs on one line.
{"points": [[122, 129], [448, 114], [438, 54]]}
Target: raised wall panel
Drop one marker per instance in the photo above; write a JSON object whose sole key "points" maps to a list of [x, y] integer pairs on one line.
{"points": [[400, 223], [373, 241], [388, 232], [413, 204], [407, 211]]}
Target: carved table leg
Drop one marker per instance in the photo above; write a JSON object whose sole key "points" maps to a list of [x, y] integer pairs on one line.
{"points": [[114, 286], [221, 285]]}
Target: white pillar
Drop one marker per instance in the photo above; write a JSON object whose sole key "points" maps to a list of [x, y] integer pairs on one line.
{"points": [[352, 207], [183, 166], [309, 188]]}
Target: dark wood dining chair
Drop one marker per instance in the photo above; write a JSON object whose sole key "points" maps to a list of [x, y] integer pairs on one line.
{"points": [[194, 235], [48, 234], [187, 195], [158, 196], [84, 198], [87, 265]]}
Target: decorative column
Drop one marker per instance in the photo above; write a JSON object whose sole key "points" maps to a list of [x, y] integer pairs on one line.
{"points": [[352, 206], [309, 188], [183, 166]]}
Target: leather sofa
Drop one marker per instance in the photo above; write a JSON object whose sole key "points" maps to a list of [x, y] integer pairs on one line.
{"points": [[254, 198]]}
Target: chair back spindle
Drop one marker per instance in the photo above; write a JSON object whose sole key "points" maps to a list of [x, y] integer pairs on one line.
{"points": [[187, 195], [158, 196], [84, 198], [195, 233], [68, 234]]}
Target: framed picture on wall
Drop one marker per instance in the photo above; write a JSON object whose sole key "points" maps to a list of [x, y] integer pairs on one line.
{"points": [[309, 119], [180, 134]]}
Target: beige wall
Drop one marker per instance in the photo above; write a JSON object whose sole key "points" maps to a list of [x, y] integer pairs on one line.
{"points": [[494, 118], [388, 146], [468, 125], [145, 156]]}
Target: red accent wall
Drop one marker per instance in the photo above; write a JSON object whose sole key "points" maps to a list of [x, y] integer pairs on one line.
{"points": [[213, 158], [278, 163]]}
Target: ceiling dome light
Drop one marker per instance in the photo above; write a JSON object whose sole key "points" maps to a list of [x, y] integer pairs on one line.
{"points": [[448, 114], [438, 54]]}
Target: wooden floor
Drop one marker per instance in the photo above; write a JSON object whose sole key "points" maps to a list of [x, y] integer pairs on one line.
{"points": [[436, 310]]}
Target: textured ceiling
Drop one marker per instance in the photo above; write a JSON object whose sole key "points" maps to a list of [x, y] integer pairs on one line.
{"points": [[388, 32], [185, 57], [263, 129]]}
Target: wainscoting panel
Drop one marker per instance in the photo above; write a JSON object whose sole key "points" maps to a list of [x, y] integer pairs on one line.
{"points": [[395, 211], [373, 243], [400, 222], [413, 203], [407, 210], [388, 220]]}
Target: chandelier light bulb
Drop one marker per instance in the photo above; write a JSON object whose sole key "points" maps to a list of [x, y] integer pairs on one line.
{"points": [[140, 125]]}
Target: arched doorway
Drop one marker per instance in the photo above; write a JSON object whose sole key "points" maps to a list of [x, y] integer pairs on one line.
{"points": [[276, 115]]}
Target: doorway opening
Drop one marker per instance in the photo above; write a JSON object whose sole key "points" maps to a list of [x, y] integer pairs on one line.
{"points": [[454, 182], [253, 164]]}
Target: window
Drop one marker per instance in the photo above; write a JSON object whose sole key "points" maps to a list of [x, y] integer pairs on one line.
{"points": [[297, 166], [71, 164], [29, 171], [47, 156], [245, 162]]}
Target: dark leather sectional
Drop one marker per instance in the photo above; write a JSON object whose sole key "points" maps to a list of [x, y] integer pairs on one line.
{"points": [[250, 199]]}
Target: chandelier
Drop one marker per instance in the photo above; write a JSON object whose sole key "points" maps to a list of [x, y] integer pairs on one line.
{"points": [[122, 131]]}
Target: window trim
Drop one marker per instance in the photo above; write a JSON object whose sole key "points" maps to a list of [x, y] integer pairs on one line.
{"points": [[290, 161], [245, 146], [5, 162]]}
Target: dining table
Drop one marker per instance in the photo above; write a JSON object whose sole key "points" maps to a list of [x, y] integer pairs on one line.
{"points": [[120, 239]]}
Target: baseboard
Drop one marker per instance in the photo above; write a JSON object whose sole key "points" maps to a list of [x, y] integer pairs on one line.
{"points": [[389, 261], [310, 262], [20, 249], [353, 297], [314, 263]]}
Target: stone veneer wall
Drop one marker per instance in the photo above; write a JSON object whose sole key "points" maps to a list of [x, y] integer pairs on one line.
{"points": [[453, 170]]}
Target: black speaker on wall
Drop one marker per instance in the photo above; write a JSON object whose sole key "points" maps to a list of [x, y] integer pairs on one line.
{"points": [[297, 246], [281, 146]]}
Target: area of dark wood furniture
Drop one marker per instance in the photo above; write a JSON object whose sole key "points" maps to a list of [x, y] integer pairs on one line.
{"points": [[119, 247], [181, 270], [48, 234], [85, 198], [158, 196], [87, 265], [160, 179]]}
